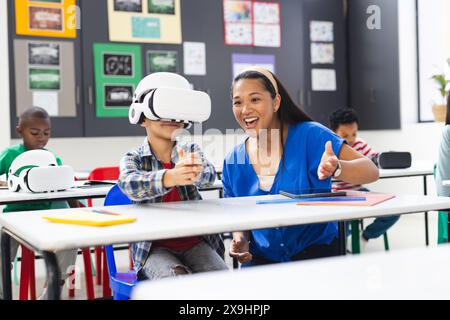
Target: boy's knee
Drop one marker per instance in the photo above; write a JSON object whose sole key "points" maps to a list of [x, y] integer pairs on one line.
{"points": [[179, 270]]}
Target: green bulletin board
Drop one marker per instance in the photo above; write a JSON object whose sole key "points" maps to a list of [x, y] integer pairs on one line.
{"points": [[118, 70]]}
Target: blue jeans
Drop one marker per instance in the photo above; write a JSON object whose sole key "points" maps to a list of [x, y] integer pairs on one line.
{"points": [[162, 262], [378, 227]]}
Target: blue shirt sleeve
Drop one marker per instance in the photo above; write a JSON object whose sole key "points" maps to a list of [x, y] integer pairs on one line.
{"points": [[226, 183]]}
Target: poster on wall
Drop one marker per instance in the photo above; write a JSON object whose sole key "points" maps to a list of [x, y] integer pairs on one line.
{"points": [[250, 23], [194, 58], [145, 21], [161, 6], [117, 71], [241, 61], [162, 61], [323, 79], [266, 24], [45, 76], [322, 53], [43, 53], [118, 96], [321, 31], [47, 18], [238, 22], [128, 5]]}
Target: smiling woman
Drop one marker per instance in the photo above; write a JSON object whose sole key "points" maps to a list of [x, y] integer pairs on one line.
{"points": [[285, 151]]}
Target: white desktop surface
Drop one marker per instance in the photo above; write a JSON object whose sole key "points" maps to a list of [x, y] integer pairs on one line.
{"points": [[182, 219], [7, 196], [403, 274], [417, 168]]}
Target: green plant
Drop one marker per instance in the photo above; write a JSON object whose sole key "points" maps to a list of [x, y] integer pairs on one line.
{"points": [[442, 81]]}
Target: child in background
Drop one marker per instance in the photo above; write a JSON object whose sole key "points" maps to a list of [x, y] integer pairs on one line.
{"points": [[161, 170], [34, 129], [344, 122]]}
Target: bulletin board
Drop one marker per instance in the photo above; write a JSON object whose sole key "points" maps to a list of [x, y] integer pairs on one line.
{"points": [[99, 99]]}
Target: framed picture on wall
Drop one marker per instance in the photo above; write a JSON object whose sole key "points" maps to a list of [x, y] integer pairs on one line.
{"points": [[161, 6], [128, 5], [43, 53], [162, 61], [118, 96]]}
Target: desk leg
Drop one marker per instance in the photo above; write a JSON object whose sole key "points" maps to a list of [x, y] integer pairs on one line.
{"points": [[342, 238], [356, 246], [6, 265], [426, 213], [53, 275]]}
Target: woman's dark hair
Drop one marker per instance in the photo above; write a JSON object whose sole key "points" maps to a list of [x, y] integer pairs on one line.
{"points": [[288, 113], [447, 117]]}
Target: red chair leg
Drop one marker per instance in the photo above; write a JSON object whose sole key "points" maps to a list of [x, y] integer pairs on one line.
{"points": [[71, 285], [88, 274], [98, 265], [106, 288], [32, 277], [24, 274]]}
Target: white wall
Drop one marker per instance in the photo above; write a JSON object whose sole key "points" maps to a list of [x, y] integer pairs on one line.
{"points": [[4, 78], [420, 139]]}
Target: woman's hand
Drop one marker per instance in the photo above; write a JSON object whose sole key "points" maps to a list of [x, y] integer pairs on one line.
{"points": [[328, 163], [239, 249]]}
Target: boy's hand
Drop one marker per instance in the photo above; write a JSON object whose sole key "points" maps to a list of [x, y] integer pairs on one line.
{"points": [[185, 172], [3, 184], [328, 164], [239, 248]]}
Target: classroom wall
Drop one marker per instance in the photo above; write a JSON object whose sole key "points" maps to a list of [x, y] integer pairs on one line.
{"points": [[421, 140], [4, 78]]}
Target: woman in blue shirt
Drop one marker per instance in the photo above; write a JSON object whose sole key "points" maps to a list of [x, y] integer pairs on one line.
{"points": [[286, 151]]}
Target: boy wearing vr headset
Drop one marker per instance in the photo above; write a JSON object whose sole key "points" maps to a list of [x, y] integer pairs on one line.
{"points": [[34, 129], [161, 170]]}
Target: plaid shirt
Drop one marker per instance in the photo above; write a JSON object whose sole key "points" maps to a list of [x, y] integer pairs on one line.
{"points": [[141, 179]]}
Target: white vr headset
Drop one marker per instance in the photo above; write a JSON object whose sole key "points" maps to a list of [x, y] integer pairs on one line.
{"points": [[38, 171], [168, 96]]}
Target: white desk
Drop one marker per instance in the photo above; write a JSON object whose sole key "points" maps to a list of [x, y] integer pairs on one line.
{"points": [[182, 219], [418, 168], [8, 197], [407, 274]]}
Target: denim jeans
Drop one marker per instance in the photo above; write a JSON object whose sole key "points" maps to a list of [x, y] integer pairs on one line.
{"points": [[378, 227], [162, 261]]}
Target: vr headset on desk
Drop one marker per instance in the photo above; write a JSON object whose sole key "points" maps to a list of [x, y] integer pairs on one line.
{"points": [[38, 171], [393, 160]]}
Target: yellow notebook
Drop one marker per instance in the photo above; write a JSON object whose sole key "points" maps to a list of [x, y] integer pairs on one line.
{"points": [[88, 218]]}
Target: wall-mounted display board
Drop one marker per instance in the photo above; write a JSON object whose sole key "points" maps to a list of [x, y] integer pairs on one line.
{"points": [[106, 73], [152, 21], [45, 64], [118, 70]]}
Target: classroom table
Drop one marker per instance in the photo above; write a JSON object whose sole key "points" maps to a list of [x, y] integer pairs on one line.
{"points": [[79, 192], [403, 274], [160, 221], [417, 169]]}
